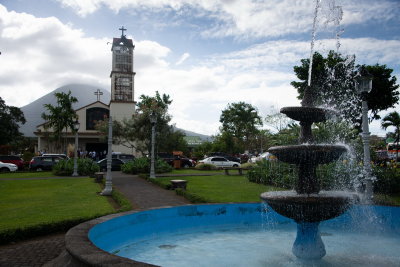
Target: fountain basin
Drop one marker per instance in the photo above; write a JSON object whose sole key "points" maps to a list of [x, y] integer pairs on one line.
{"points": [[362, 236], [309, 207], [308, 154], [307, 114]]}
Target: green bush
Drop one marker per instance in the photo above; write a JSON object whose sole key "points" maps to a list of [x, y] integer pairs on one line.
{"points": [[142, 165], [387, 180], [66, 167], [248, 165], [339, 175], [273, 173], [205, 167]]}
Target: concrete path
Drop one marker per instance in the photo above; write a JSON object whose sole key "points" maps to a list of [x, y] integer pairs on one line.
{"points": [[36, 252]]}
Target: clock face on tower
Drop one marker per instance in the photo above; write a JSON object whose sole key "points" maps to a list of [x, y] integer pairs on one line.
{"points": [[124, 49]]}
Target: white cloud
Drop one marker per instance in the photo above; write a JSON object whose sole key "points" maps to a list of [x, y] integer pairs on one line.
{"points": [[41, 54], [249, 18], [182, 58]]}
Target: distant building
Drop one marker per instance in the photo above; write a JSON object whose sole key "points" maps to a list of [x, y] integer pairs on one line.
{"points": [[121, 105]]}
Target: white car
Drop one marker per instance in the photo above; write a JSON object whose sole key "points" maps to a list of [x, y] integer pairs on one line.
{"points": [[265, 155], [7, 167], [220, 162]]}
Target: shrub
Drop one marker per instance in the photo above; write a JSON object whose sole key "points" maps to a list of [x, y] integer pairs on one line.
{"points": [[66, 167], [205, 167], [248, 165], [273, 173], [387, 179], [142, 165]]}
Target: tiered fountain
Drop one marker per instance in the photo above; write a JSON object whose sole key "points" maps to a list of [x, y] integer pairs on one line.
{"points": [[308, 206]]}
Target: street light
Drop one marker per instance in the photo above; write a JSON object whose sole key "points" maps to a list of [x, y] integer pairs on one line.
{"points": [[363, 87], [153, 121], [107, 191], [76, 129]]}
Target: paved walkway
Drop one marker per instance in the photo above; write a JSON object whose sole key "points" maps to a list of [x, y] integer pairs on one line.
{"points": [[36, 252]]}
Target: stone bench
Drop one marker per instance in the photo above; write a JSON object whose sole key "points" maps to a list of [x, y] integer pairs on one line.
{"points": [[98, 177], [240, 170], [178, 184]]}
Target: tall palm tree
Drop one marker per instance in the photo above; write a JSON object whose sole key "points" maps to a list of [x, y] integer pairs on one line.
{"points": [[60, 117], [393, 119]]}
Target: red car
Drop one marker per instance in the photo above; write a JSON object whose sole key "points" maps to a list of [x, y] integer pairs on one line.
{"points": [[13, 159]]}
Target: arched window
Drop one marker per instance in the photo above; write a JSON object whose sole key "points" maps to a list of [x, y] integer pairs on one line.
{"points": [[93, 115]]}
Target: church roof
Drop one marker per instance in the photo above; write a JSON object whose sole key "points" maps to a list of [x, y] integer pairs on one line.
{"points": [[122, 41], [33, 111]]}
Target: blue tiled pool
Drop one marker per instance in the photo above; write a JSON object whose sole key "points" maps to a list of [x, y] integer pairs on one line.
{"points": [[247, 234]]}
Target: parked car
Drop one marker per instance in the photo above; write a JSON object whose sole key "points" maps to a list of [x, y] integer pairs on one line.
{"points": [[225, 155], [41, 163], [115, 164], [123, 157], [169, 158], [56, 155], [7, 167], [13, 159], [265, 155], [220, 162]]}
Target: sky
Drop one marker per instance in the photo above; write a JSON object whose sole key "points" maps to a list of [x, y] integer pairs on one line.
{"points": [[205, 54]]}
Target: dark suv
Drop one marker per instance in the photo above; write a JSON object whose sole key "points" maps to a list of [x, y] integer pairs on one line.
{"points": [[124, 157], [14, 160], [44, 162], [169, 158]]}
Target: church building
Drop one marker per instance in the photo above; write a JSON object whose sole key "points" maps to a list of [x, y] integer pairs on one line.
{"points": [[121, 106]]}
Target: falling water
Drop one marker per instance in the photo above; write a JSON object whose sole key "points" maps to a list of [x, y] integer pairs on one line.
{"points": [[313, 33]]}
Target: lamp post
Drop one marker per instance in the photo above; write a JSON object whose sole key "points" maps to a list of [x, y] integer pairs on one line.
{"points": [[153, 121], [364, 86], [76, 129], [108, 186]]}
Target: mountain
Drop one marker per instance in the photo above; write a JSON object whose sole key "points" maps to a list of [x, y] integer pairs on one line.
{"points": [[203, 137], [83, 92]]}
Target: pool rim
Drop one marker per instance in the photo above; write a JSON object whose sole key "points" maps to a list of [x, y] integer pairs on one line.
{"points": [[82, 251]]}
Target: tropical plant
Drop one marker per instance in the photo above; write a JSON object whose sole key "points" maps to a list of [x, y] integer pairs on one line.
{"points": [[393, 120], [332, 84], [60, 117], [66, 167], [205, 167], [135, 132], [142, 165]]}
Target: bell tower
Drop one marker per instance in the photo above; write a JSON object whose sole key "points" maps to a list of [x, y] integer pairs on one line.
{"points": [[122, 104]]}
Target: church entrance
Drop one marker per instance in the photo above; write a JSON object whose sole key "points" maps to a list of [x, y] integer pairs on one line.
{"points": [[99, 149]]}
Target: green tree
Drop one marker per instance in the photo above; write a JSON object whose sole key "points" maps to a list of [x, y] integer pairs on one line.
{"points": [[226, 142], [241, 121], [9, 118], [392, 120], [135, 132], [332, 84], [60, 117]]}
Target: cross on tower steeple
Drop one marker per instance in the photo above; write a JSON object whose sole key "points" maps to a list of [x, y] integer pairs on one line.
{"points": [[98, 93], [122, 29]]}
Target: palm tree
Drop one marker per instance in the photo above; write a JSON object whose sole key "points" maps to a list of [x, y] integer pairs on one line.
{"points": [[393, 119], [62, 116]]}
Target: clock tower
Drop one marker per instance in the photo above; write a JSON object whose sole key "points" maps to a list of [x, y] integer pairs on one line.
{"points": [[122, 104]]}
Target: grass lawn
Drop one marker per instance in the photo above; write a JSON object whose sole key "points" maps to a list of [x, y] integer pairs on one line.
{"points": [[26, 174], [41, 202], [223, 188]]}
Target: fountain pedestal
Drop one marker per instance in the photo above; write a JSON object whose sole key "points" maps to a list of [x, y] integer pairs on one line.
{"points": [[308, 244]]}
